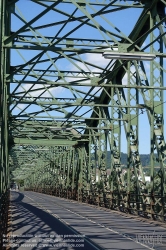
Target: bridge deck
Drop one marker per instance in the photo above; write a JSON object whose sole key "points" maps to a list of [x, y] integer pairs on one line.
{"points": [[41, 221]]}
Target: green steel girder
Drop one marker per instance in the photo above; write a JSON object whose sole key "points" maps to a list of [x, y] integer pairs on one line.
{"points": [[45, 142], [117, 73], [5, 21]]}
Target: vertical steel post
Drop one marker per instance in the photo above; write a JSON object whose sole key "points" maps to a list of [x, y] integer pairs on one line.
{"points": [[4, 140]]}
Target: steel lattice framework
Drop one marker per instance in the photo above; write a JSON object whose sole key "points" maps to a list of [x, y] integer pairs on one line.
{"points": [[63, 106]]}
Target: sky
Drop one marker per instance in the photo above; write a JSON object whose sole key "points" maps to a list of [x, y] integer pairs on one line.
{"points": [[119, 22]]}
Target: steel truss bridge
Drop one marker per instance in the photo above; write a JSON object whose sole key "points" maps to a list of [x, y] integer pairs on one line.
{"points": [[63, 105]]}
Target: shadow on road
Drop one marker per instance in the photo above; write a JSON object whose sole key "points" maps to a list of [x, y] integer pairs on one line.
{"points": [[34, 226]]}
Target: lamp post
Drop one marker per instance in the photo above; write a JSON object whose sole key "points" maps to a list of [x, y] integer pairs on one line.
{"points": [[129, 56]]}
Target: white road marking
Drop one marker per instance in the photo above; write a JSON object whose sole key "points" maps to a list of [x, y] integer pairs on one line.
{"points": [[116, 232]]}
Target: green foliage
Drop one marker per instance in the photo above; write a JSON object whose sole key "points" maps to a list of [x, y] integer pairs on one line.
{"points": [[20, 183]]}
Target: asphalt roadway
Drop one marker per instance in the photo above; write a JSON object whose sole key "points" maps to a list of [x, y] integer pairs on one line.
{"points": [[41, 221]]}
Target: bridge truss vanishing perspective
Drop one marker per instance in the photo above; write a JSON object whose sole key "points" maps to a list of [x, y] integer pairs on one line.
{"points": [[68, 110]]}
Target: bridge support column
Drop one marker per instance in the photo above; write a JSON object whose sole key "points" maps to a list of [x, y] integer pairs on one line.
{"points": [[5, 141]]}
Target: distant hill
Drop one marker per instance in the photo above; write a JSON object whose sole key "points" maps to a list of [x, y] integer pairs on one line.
{"points": [[145, 158]]}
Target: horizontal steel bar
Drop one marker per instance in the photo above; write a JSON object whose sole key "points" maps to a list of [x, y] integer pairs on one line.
{"points": [[65, 39], [63, 119], [136, 4], [44, 142], [105, 85], [66, 104]]}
